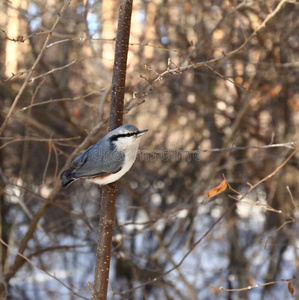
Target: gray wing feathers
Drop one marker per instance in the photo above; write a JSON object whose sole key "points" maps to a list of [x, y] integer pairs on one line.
{"points": [[98, 160]]}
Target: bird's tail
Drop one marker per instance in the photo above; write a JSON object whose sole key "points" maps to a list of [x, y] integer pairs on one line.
{"points": [[66, 179]]}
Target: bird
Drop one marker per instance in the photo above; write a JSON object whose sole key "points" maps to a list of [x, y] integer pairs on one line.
{"points": [[107, 160]]}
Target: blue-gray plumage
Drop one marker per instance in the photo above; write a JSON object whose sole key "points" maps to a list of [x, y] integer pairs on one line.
{"points": [[107, 160]]}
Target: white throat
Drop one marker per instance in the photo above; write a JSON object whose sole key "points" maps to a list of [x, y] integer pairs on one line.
{"points": [[129, 146]]}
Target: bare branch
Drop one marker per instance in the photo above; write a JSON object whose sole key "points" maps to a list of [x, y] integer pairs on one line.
{"points": [[184, 257], [290, 145], [231, 53], [41, 53], [40, 269], [35, 139], [250, 287], [54, 70], [58, 100]]}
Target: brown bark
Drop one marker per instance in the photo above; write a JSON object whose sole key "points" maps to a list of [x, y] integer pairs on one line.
{"points": [[116, 118]]}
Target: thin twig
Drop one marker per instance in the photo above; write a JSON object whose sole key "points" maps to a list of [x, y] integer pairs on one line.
{"points": [[275, 171], [290, 145], [250, 287], [252, 187], [182, 260], [231, 53], [25, 83], [54, 70], [21, 39], [35, 139], [39, 268], [58, 100], [225, 78], [277, 230], [47, 163]]}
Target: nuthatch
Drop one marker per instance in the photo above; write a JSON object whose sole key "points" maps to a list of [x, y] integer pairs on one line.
{"points": [[107, 160]]}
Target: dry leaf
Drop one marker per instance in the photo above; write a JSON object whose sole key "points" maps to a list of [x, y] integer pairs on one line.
{"points": [[77, 112], [214, 290], [291, 288], [276, 90], [251, 281], [218, 189]]}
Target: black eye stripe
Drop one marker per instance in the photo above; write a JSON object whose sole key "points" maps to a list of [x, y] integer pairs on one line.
{"points": [[115, 137]]}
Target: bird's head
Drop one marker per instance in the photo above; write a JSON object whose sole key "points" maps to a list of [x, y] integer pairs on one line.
{"points": [[126, 136]]}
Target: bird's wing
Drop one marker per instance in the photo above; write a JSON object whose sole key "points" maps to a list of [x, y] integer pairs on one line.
{"points": [[97, 161]]}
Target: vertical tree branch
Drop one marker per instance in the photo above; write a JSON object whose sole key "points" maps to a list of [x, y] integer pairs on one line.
{"points": [[120, 64], [107, 211]]}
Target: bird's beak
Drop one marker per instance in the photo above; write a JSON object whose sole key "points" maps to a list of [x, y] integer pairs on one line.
{"points": [[142, 132]]}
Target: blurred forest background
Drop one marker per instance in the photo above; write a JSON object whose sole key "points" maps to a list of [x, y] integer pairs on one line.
{"points": [[55, 92]]}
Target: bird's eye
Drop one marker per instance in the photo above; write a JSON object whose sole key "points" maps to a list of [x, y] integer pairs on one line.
{"points": [[121, 135]]}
